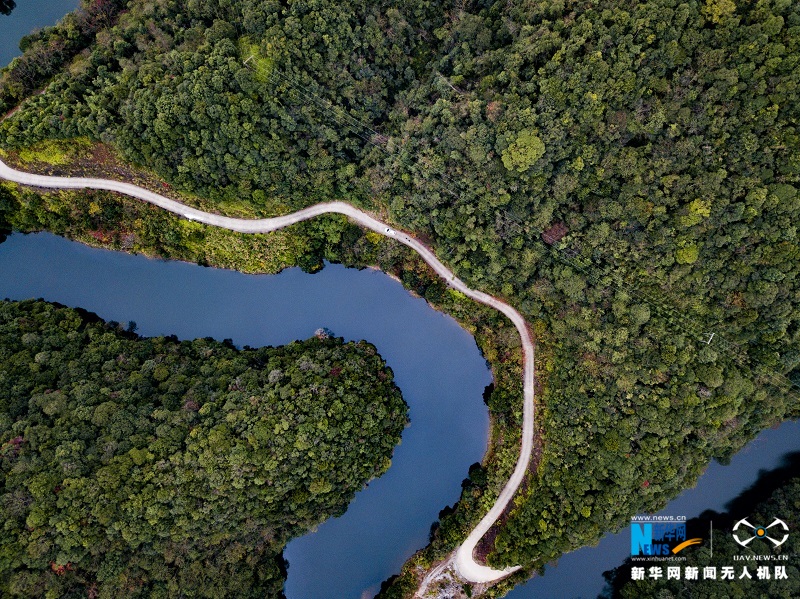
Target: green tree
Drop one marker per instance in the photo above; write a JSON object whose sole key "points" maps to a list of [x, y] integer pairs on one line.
{"points": [[523, 153]]}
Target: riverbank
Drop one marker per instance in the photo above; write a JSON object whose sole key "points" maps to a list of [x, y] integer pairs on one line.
{"points": [[435, 362], [243, 439], [454, 298]]}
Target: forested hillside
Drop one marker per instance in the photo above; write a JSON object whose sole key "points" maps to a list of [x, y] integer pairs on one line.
{"points": [[169, 86], [149, 467], [628, 173], [625, 173]]}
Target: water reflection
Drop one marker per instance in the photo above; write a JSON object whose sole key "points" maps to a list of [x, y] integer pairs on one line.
{"points": [[436, 364], [27, 17], [742, 505], [580, 574]]}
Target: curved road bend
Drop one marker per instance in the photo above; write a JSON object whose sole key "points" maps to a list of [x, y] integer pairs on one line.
{"points": [[465, 564]]}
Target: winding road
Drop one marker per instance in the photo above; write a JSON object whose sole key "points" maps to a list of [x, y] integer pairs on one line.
{"points": [[462, 560]]}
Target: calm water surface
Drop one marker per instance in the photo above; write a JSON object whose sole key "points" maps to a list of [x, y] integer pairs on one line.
{"points": [[580, 573], [436, 364], [27, 16]]}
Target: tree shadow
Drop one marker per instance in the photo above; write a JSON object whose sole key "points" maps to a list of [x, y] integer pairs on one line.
{"points": [[6, 6], [745, 503]]}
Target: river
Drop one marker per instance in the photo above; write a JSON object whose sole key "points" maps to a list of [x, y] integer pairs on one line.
{"points": [[437, 365], [580, 574]]}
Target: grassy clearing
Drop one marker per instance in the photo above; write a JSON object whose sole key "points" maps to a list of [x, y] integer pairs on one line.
{"points": [[258, 59], [56, 152]]}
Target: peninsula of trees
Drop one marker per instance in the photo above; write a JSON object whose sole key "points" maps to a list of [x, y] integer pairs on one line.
{"points": [[152, 467]]}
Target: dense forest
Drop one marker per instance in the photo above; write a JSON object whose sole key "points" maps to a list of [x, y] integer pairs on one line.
{"points": [[625, 173], [760, 580], [152, 467]]}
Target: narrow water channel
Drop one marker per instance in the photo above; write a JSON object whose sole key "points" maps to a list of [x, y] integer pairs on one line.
{"points": [[437, 365], [580, 574]]}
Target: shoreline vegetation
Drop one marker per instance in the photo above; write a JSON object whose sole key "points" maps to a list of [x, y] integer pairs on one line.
{"points": [[519, 464], [28, 208], [623, 173], [775, 495], [464, 564]]}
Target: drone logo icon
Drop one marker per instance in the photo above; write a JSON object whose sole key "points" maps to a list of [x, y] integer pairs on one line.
{"points": [[759, 532]]}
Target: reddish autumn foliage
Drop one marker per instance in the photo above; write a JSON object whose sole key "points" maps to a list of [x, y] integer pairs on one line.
{"points": [[101, 236], [11, 448], [59, 569], [555, 233]]}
